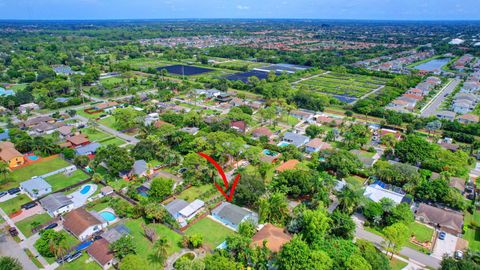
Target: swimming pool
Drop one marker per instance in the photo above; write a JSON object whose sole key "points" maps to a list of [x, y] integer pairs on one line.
{"points": [[269, 153], [283, 144], [108, 216], [33, 157], [85, 189], [84, 245]]}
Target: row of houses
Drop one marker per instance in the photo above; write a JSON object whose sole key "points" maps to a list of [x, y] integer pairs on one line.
{"points": [[408, 101]]}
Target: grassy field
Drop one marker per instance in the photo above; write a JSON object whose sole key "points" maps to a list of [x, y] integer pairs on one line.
{"points": [[94, 134], [422, 233], [240, 65], [60, 180], [205, 227], [472, 233], [14, 204], [144, 63], [26, 225], [81, 112], [397, 264], [82, 263], [194, 192], [355, 180], [112, 140], [35, 169], [343, 84], [144, 246], [108, 121]]}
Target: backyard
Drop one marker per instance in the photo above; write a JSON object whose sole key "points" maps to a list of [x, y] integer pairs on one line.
{"points": [[194, 192], [144, 246], [60, 180], [472, 231], [35, 169], [205, 227], [397, 264]]}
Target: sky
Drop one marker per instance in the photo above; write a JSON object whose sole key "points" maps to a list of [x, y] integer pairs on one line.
{"points": [[311, 9]]}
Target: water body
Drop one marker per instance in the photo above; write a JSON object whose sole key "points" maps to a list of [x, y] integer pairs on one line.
{"points": [[434, 64]]}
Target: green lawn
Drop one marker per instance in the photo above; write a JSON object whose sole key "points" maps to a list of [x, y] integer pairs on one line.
{"points": [[97, 205], [213, 232], [35, 169], [108, 121], [81, 264], [32, 258], [397, 264], [112, 141], [94, 134], [26, 225], [144, 246], [355, 180], [422, 233], [194, 192], [81, 112], [60, 180], [14, 204], [289, 120], [472, 233]]}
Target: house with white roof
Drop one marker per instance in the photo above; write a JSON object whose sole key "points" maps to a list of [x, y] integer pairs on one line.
{"points": [[376, 192], [36, 187]]}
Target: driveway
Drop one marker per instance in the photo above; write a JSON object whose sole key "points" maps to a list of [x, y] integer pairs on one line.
{"points": [[446, 246], [80, 197], [28, 213]]}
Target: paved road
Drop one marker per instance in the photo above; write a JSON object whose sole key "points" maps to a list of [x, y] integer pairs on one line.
{"points": [[8, 247], [437, 100], [111, 131], [367, 94], [414, 255]]}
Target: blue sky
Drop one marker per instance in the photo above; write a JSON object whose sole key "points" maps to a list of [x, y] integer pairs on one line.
{"points": [[318, 9]]}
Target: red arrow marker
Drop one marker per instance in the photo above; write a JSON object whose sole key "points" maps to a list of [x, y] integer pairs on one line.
{"points": [[224, 178]]}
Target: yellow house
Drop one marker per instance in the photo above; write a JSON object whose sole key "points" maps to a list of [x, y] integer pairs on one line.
{"points": [[10, 155]]}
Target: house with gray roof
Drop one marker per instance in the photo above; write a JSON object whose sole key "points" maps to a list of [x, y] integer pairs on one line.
{"points": [[36, 187], [232, 215], [175, 206], [139, 169], [115, 233], [295, 139], [447, 115], [88, 149], [56, 204]]}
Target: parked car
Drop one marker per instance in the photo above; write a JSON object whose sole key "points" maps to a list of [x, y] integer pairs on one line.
{"points": [[442, 235], [63, 259], [13, 231], [3, 193], [13, 191], [51, 226], [458, 254], [74, 256], [29, 205], [97, 237]]}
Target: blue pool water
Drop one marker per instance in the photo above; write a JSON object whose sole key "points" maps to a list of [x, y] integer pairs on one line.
{"points": [[84, 245], [32, 157], [283, 144], [269, 153], [108, 216], [85, 190]]}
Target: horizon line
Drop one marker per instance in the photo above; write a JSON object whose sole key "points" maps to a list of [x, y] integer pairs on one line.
{"points": [[219, 18]]}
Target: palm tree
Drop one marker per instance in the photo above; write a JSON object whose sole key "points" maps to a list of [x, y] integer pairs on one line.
{"points": [[10, 263], [349, 199], [97, 178], [160, 254], [4, 170]]}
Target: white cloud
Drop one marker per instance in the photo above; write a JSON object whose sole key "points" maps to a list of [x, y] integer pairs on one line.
{"points": [[240, 7]]}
